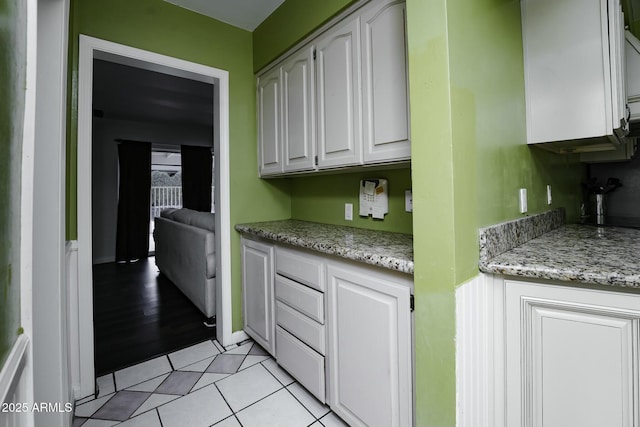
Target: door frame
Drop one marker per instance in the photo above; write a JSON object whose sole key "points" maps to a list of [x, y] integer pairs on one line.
{"points": [[93, 48]]}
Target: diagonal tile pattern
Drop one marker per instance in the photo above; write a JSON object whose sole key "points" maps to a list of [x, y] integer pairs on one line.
{"points": [[204, 386]]}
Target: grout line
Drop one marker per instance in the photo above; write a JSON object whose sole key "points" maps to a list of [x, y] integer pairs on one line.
{"points": [[159, 417], [224, 398], [170, 363], [303, 405]]}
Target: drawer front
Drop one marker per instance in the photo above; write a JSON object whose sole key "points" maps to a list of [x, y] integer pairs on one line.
{"points": [[304, 299], [300, 267], [301, 362], [308, 331]]}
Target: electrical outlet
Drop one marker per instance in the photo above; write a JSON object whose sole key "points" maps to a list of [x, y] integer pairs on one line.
{"points": [[348, 211], [549, 199], [523, 200], [408, 201]]}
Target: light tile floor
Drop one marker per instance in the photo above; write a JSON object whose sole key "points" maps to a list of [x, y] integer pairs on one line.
{"points": [[201, 386]]}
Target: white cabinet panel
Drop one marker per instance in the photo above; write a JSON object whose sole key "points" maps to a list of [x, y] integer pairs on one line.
{"points": [[304, 299], [574, 73], [298, 106], [369, 342], [572, 356], [302, 362], [385, 86], [258, 292], [301, 266], [338, 95], [269, 123], [306, 330]]}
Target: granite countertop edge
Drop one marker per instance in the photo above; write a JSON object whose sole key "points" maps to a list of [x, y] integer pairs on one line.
{"points": [[331, 240], [575, 254]]}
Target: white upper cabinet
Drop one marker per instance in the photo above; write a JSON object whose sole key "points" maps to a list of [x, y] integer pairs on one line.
{"points": [[269, 123], [384, 81], [574, 73], [338, 93], [341, 98], [298, 109]]}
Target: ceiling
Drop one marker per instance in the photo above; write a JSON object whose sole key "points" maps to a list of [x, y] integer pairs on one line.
{"points": [[122, 92], [245, 14]]}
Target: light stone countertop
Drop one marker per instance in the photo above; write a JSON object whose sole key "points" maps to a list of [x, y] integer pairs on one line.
{"points": [[393, 251], [607, 256]]}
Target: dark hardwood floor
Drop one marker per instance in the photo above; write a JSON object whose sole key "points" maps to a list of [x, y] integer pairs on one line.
{"points": [[139, 314]]}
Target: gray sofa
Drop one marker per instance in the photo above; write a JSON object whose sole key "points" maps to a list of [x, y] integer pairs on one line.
{"points": [[185, 253]]}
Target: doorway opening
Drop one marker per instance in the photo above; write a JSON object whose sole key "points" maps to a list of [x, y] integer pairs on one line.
{"points": [[91, 49]]}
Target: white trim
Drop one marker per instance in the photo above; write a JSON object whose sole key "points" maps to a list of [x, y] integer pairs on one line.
{"points": [[71, 255], [89, 49], [237, 337], [480, 353], [13, 367], [26, 213]]}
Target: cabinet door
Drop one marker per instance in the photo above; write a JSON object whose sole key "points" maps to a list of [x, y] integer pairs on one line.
{"points": [[338, 96], [269, 126], [385, 87], [369, 348], [258, 292], [570, 76], [572, 357], [298, 133]]}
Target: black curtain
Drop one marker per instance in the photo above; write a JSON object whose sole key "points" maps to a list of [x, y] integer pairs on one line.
{"points": [[196, 177], [134, 200]]}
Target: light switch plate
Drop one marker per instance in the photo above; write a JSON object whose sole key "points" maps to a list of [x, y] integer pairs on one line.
{"points": [[348, 211], [523, 200], [408, 201]]}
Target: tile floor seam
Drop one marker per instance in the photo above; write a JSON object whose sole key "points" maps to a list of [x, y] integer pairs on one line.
{"points": [[238, 420], [170, 363], [224, 398], [302, 404], [260, 400]]}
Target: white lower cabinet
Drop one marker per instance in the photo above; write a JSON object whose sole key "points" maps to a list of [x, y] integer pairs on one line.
{"points": [[257, 292], [369, 343], [571, 356], [342, 329]]}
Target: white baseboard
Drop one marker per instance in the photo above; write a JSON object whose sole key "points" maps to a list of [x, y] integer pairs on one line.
{"points": [[237, 337]]}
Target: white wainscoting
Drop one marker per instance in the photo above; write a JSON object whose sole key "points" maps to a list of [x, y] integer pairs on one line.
{"points": [[80, 366], [480, 353], [14, 387]]}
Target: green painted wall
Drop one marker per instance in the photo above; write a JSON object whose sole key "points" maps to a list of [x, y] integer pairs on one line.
{"points": [[288, 24], [322, 199], [158, 26], [13, 35], [468, 135]]}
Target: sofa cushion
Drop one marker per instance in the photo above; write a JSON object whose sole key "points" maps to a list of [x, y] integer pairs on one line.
{"points": [[204, 220], [182, 215], [168, 213]]}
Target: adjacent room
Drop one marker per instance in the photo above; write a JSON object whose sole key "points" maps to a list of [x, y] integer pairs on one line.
{"points": [[146, 125]]}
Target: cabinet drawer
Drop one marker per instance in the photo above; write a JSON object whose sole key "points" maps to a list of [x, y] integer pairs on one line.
{"points": [[302, 362], [301, 268], [300, 297], [308, 331]]}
